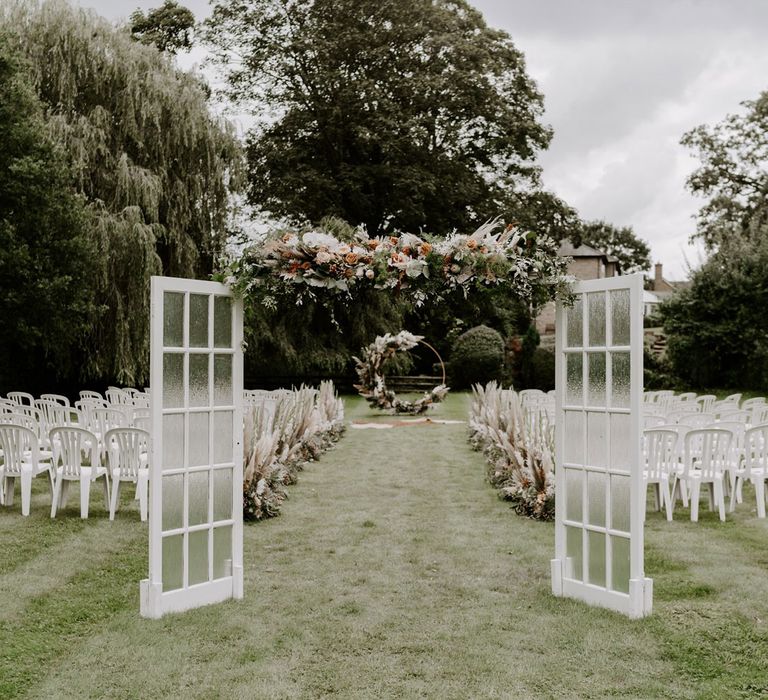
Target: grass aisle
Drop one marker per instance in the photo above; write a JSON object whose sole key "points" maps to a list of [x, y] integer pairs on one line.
{"points": [[393, 572]]}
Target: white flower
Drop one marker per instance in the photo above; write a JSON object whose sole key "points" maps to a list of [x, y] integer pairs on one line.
{"points": [[369, 273], [323, 257], [455, 269], [316, 239]]}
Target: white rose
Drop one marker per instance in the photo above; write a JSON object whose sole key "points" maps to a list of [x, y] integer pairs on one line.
{"points": [[323, 257], [369, 273]]}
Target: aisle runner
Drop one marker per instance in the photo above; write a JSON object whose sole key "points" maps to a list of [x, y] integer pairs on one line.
{"points": [[407, 422]]}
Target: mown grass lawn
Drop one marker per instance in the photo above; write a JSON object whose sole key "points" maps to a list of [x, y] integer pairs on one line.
{"points": [[393, 572]]}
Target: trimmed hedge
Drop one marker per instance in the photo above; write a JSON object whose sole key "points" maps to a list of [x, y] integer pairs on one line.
{"points": [[477, 357]]}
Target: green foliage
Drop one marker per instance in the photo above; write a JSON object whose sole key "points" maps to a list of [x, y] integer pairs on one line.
{"points": [[542, 212], [716, 328], [154, 164], [733, 174], [633, 253], [398, 114], [169, 28], [46, 285], [477, 357]]}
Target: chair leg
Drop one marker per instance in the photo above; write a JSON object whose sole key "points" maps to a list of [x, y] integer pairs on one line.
{"points": [[10, 487], [656, 497], [666, 497], [735, 489], [64, 494], [26, 491], [711, 495], [760, 496], [58, 490], [695, 487], [106, 492], [85, 497], [113, 499], [718, 488]]}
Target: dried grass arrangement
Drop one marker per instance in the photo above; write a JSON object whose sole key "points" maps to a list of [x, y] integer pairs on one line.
{"points": [[519, 446], [284, 430]]}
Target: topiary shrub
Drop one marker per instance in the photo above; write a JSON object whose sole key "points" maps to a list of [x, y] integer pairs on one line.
{"points": [[543, 363], [477, 357]]}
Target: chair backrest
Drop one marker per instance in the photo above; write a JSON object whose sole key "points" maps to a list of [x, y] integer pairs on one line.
{"points": [[104, 419], [660, 450], [697, 420], [143, 423], [756, 449], [86, 407], [19, 444], [735, 416], [141, 400], [746, 404], [758, 413], [737, 428], [118, 397], [735, 398], [7, 406], [707, 450], [88, 394], [57, 398], [651, 420], [21, 397], [53, 414], [21, 419], [706, 402], [649, 397], [688, 396], [74, 448], [679, 414], [125, 447]]}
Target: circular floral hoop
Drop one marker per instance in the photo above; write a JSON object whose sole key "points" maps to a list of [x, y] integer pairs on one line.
{"points": [[372, 384]]}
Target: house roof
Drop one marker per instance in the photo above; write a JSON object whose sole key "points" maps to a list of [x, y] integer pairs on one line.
{"points": [[583, 251]]}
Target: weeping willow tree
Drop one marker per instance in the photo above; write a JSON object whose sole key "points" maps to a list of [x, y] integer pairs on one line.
{"points": [[155, 165]]}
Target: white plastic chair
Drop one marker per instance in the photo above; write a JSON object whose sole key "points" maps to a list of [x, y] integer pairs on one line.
{"points": [[118, 397], [706, 402], [58, 398], [746, 404], [21, 460], [688, 396], [128, 451], [697, 420], [754, 468], [660, 453], [88, 394], [758, 413], [77, 458], [22, 398], [653, 420], [735, 416], [705, 459]]}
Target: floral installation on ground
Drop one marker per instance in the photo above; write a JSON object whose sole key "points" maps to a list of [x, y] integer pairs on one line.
{"points": [[372, 384], [519, 448], [283, 431], [313, 264]]}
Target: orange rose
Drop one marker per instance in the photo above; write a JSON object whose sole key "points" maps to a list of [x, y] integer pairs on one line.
{"points": [[287, 254], [407, 250], [393, 240], [294, 266], [306, 266], [350, 258], [373, 244], [425, 248], [349, 272], [471, 244]]}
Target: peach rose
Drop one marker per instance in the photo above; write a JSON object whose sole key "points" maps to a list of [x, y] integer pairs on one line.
{"points": [[425, 248], [306, 266], [350, 258], [373, 244], [471, 244]]}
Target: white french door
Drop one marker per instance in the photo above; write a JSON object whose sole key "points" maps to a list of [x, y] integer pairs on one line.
{"points": [[599, 482], [196, 471]]}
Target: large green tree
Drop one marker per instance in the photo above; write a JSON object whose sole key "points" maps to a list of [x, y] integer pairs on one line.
{"points": [[153, 162], [168, 27], [398, 114], [46, 285], [733, 174], [717, 328], [633, 253]]}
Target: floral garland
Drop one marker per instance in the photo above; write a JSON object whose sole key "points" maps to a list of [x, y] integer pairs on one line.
{"points": [[370, 372], [423, 269]]}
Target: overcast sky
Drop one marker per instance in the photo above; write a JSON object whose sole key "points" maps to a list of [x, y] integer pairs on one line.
{"points": [[622, 80]]}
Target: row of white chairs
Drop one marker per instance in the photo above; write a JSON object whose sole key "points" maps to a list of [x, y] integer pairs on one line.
{"points": [[666, 403], [722, 456], [69, 453]]}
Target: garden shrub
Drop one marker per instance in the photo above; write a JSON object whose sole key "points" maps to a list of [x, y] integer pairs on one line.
{"points": [[477, 357], [543, 365]]}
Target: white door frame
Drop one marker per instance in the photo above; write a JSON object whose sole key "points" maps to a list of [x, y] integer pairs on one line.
{"points": [[585, 419], [224, 577]]}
